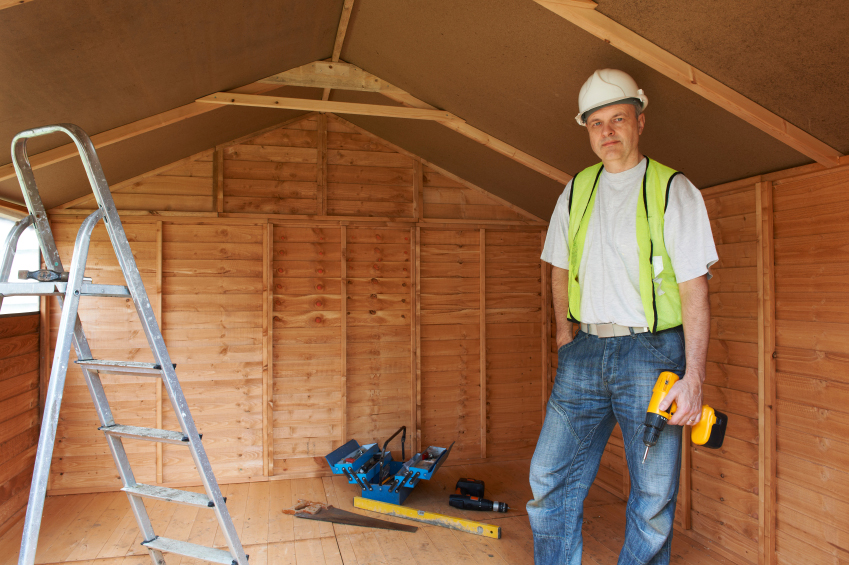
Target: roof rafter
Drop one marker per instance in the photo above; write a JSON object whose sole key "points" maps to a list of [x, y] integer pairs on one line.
{"points": [[344, 76], [127, 131], [340, 38], [686, 75], [11, 3]]}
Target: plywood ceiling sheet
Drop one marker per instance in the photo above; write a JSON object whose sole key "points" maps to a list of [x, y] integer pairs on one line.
{"points": [[66, 181], [102, 63], [787, 55], [460, 155], [513, 69]]}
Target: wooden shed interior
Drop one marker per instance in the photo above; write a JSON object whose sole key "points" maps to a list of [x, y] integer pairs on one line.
{"points": [[338, 209]]}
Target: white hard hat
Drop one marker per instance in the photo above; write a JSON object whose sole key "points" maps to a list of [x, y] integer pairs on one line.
{"points": [[605, 87]]}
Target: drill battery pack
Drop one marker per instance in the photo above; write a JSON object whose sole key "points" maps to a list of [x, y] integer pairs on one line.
{"points": [[472, 487]]}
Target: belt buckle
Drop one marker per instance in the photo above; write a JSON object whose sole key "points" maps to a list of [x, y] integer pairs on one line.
{"points": [[605, 330]]}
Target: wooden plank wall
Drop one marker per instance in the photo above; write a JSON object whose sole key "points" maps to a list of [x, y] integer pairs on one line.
{"points": [[379, 322], [811, 378], [212, 324], [306, 344], [19, 412], [724, 494], [325, 286], [515, 367], [450, 321], [81, 457]]}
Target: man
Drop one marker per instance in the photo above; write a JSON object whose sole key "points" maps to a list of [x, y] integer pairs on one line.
{"points": [[630, 247]]}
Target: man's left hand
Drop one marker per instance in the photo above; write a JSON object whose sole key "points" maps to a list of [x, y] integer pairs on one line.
{"points": [[687, 394]]}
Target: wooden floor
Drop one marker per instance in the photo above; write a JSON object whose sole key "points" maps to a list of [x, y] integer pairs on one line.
{"points": [[99, 529]]}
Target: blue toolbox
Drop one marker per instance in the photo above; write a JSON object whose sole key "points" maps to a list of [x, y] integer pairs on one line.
{"points": [[381, 477]]}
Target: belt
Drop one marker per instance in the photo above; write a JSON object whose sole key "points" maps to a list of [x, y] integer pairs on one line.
{"points": [[611, 330]]}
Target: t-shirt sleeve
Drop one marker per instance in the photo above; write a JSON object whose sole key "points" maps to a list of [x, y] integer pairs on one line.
{"points": [[687, 233], [556, 248]]}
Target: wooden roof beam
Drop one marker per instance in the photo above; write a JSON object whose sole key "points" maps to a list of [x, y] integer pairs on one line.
{"points": [[127, 131], [686, 75], [232, 99], [340, 38], [11, 3], [344, 76]]}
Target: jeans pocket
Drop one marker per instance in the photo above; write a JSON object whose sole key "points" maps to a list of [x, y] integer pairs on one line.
{"points": [[580, 335], [667, 347]]}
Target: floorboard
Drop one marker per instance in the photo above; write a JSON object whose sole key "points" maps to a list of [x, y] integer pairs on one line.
{"points": [[99, 529]]}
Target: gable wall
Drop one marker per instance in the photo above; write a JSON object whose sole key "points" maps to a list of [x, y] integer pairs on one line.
{"points": [[314, 284]]}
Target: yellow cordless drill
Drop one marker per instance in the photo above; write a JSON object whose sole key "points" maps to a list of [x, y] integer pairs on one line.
{"points": [[709, 432]]}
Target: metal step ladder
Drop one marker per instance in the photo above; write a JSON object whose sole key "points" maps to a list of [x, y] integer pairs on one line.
{"points": [[69, 287]]}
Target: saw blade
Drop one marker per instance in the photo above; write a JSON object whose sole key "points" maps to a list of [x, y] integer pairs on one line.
{"points": [[336, 516]]}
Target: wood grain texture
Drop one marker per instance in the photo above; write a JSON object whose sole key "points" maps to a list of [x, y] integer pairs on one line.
{"points": [[19, 411], [805, 403], [380, 361], [308, 384], [514, 367]]}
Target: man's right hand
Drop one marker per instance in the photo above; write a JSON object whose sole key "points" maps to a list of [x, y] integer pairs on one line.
{"points": [[560, 298]]}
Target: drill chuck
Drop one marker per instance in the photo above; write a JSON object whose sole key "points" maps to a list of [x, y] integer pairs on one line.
{"points": [[654, 425]]}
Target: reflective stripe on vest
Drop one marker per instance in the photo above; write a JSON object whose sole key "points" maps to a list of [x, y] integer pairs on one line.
{"points": [[658, 286]]}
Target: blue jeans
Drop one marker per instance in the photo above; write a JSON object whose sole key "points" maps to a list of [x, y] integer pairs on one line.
{"points": [[602, 381]]}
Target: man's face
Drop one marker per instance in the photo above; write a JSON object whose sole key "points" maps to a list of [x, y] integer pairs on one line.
{"points": [[615, 135]]}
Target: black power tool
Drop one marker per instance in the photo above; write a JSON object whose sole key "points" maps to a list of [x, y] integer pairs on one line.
{"points": [[469, 496]]}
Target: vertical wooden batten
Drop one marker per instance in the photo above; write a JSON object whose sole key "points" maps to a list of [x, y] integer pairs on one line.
{"points": [[483, 340], [157, 308], [417, 397], [686, 484], [44, 359], [343, 332], [414, 343], [267, 324], [218, 180], [766, 374], [418, 183], [321, 185]]}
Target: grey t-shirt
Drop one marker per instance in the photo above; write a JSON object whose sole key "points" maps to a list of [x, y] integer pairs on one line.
{"points": [[609, 271]]}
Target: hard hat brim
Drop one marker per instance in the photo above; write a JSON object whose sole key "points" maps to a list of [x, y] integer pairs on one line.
{"points": [[643, 99]]}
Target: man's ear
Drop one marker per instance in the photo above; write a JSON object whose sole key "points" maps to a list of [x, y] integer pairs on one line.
{"points": [[641, 123]]}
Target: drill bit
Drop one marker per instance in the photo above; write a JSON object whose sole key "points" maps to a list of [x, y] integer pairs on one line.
{"points": [[646, 455]]}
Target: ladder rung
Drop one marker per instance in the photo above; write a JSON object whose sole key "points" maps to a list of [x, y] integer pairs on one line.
{"points": [[170, 495], [191, 550], [122, 367], [58, 289], [146, 434]]}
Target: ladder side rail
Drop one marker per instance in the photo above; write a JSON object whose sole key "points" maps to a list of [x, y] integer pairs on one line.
{"points": [[118, 237], [53, 261], [140, 299], [11, 248], [53, 402]]}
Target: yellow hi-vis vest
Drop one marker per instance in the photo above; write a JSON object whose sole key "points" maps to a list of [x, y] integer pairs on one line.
{"points": [[658, 286]]}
